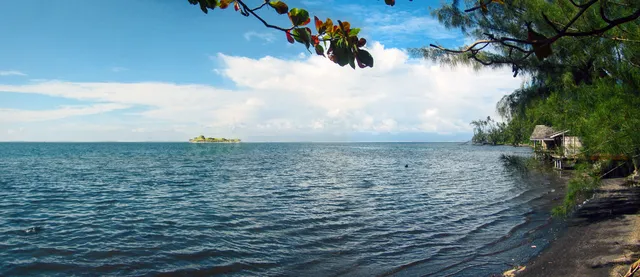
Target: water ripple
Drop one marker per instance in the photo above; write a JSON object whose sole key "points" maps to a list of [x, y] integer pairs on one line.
{"points": [[177, 209]]}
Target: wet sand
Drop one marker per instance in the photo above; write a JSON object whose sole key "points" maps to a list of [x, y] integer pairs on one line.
{"points": [[602, 238]]}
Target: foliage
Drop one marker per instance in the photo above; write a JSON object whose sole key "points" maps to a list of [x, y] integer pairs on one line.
{"points": [[344, 46], [528, 35], [519, 164], [605, 115], [579, 188], [201, 139], [588, 83], [488, 131], [509, 32], [582, 62]]}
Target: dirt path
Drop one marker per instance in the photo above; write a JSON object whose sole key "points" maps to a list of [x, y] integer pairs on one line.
{"points": [[602, 239]]}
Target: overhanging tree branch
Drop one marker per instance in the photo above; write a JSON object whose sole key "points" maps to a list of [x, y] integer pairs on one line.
{"points": [[345, 47], [537, 41], [253, 12]]}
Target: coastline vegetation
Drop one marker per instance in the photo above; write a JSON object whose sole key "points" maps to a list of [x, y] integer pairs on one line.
{"points": [[580, 188], [488, 131], [587, 82], [203, 139]]}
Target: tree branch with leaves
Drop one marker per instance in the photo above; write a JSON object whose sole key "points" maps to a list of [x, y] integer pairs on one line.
{"points": [[502, 46], [344, 46]]}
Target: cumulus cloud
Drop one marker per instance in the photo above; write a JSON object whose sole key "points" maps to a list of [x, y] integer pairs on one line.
{"points": [[309, 97]]}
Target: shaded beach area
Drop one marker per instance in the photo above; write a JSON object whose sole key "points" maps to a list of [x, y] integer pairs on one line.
{"points": [[602, 237]]}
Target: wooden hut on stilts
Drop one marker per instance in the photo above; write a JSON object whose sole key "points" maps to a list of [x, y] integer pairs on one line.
{"points": [[557, 146]]}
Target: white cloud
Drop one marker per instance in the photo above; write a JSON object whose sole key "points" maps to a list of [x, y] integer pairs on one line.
{"points": [[14, 115], [389, 24], [12, 73], [276, 98], [267, 37], [14, 131], [412, 25]]}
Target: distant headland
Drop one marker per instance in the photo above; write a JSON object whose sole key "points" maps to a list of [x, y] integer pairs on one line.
{"points": [[203, 139]]}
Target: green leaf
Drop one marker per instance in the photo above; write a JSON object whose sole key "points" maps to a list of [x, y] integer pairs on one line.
{"points": [[319, 50], [351, 60], [203, 6], [354, 32], [341, 53], [211, 4], [343, 59], [365, 58], [279, 6], [299, 17], [303, 36]]}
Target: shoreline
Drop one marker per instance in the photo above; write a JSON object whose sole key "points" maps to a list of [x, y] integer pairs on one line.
{"points": [[602, 238]]}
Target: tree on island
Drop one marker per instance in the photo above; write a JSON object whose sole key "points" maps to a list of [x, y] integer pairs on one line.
{"points": [[489, 131], [202, 138]]}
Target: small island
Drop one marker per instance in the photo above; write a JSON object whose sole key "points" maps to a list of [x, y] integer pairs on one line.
{"points": [[203, 139]]}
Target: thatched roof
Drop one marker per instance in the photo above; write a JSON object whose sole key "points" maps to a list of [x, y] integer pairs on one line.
{"points": [[541, 132]]}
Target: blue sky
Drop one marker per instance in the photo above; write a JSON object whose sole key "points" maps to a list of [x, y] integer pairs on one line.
{"points": [[164, 71]]}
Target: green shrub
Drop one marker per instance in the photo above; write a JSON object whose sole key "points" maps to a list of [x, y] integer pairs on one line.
{"points": [[579, 188]]}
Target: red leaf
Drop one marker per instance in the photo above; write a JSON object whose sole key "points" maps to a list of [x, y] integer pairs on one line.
{"points": [[236, 6], [289, 37], [224, 4], [345, 26], [362, 42], [315, 40], [319, 23], [390, 2]]}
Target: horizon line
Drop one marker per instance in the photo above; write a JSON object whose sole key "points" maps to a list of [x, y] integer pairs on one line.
{"points": [[159, 141]]}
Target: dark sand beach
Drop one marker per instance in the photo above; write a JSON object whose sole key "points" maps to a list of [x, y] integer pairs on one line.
{"points": [[602, 238]]}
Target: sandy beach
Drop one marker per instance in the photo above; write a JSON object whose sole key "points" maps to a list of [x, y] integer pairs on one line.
{"points": [[602, 238]]}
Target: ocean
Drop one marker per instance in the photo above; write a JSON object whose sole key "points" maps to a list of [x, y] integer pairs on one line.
{"points": [[269, 209]]}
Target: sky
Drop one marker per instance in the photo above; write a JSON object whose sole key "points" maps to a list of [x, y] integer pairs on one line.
{"points": [[153, 70]]}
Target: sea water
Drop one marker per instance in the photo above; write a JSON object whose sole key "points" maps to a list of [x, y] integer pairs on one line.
{"points": [[273, 209]]}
